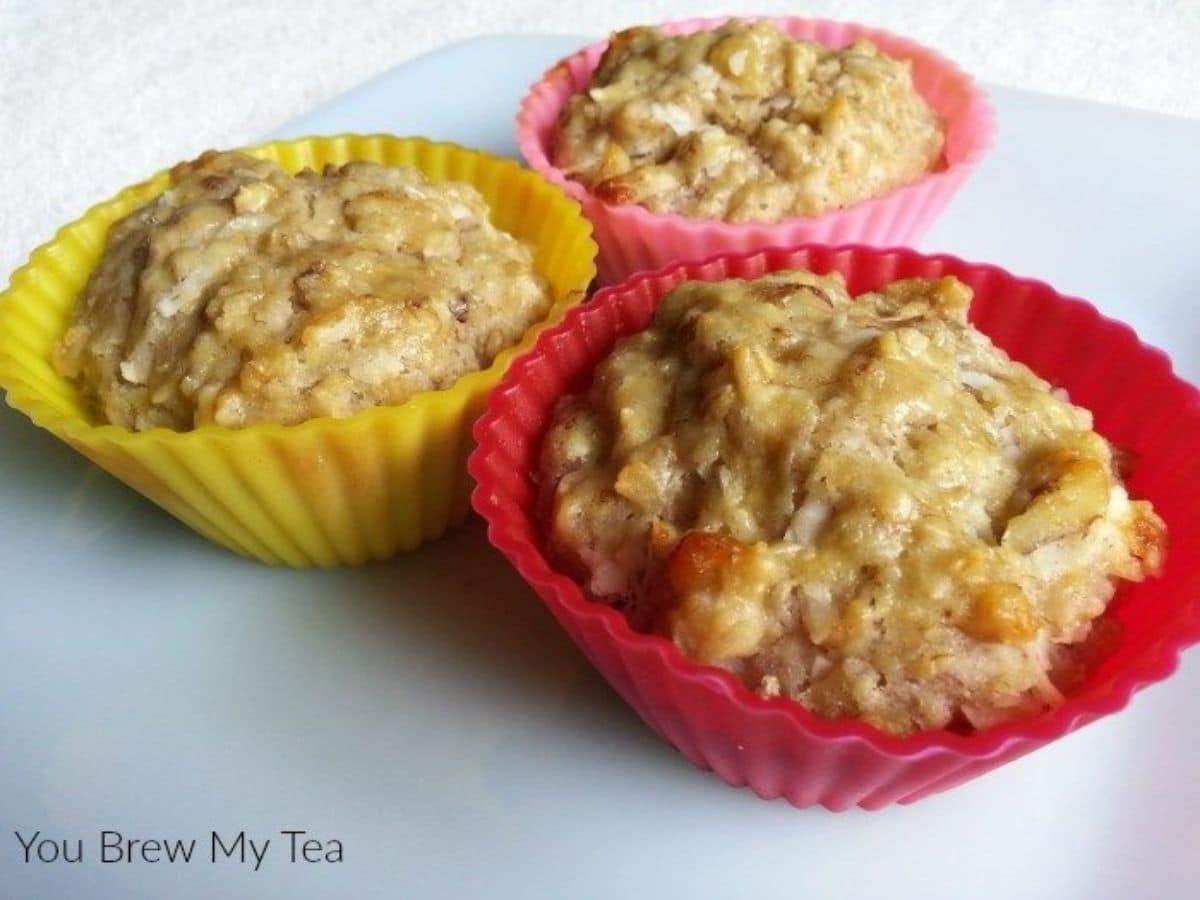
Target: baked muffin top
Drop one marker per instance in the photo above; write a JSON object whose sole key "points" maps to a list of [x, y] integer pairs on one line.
{"points": [[861, 504], [744, 123], [244, 294]]}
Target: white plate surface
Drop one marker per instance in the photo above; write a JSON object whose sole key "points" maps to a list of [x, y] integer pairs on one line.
{"points": [[429, 715]]}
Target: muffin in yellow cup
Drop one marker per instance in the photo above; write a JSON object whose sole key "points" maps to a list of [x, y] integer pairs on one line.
{"points": [[328, 490]]}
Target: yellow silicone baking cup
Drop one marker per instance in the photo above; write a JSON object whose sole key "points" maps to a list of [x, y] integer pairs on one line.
{"points": [[327, 491]]}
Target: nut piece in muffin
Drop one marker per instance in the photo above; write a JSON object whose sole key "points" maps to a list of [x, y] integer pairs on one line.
{"points": [[244, 294], [861, 504], [744, 123]]}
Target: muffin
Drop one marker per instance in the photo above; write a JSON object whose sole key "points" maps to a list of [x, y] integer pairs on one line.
{"points": [[243, 294], [286, 347], [862, 504], [767, 742], [711, 136], [745, 123]]}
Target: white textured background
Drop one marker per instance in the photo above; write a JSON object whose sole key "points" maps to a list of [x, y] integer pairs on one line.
{"points": [[96, 95]]}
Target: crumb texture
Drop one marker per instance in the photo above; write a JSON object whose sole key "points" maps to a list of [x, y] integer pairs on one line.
{"points": [[861, 504], [244, 294], [744, 123]]}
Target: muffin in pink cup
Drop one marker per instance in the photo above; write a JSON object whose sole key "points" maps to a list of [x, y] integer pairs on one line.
{"points": [[1143, 455], [730, 135]]}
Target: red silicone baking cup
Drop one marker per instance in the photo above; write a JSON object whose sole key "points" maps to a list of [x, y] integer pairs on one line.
{"points": [[775, 746], [633, 239]]}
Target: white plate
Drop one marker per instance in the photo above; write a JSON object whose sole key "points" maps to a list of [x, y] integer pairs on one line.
{"points": [[428, 713]]}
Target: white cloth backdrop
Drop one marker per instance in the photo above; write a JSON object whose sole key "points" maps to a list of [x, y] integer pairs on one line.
{"points": [[95, 95]]}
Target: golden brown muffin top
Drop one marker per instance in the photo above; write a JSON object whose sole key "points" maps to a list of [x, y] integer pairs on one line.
{"points": [[861, 504], [744, 123], [244, 294]]}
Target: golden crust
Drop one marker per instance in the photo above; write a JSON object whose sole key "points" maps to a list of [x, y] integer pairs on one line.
{"points": [[244, 294], [745, 123], [861, 504]]}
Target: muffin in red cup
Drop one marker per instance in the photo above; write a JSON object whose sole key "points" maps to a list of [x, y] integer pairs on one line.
{"points": [[720, 135], [858, 756]]}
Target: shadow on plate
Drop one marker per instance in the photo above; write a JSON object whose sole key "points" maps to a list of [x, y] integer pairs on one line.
{"points": [[458, 596], [47, 484]]}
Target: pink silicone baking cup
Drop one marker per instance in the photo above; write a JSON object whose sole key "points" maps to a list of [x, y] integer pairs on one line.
{"points": [[774, 746], [633, 239]]}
